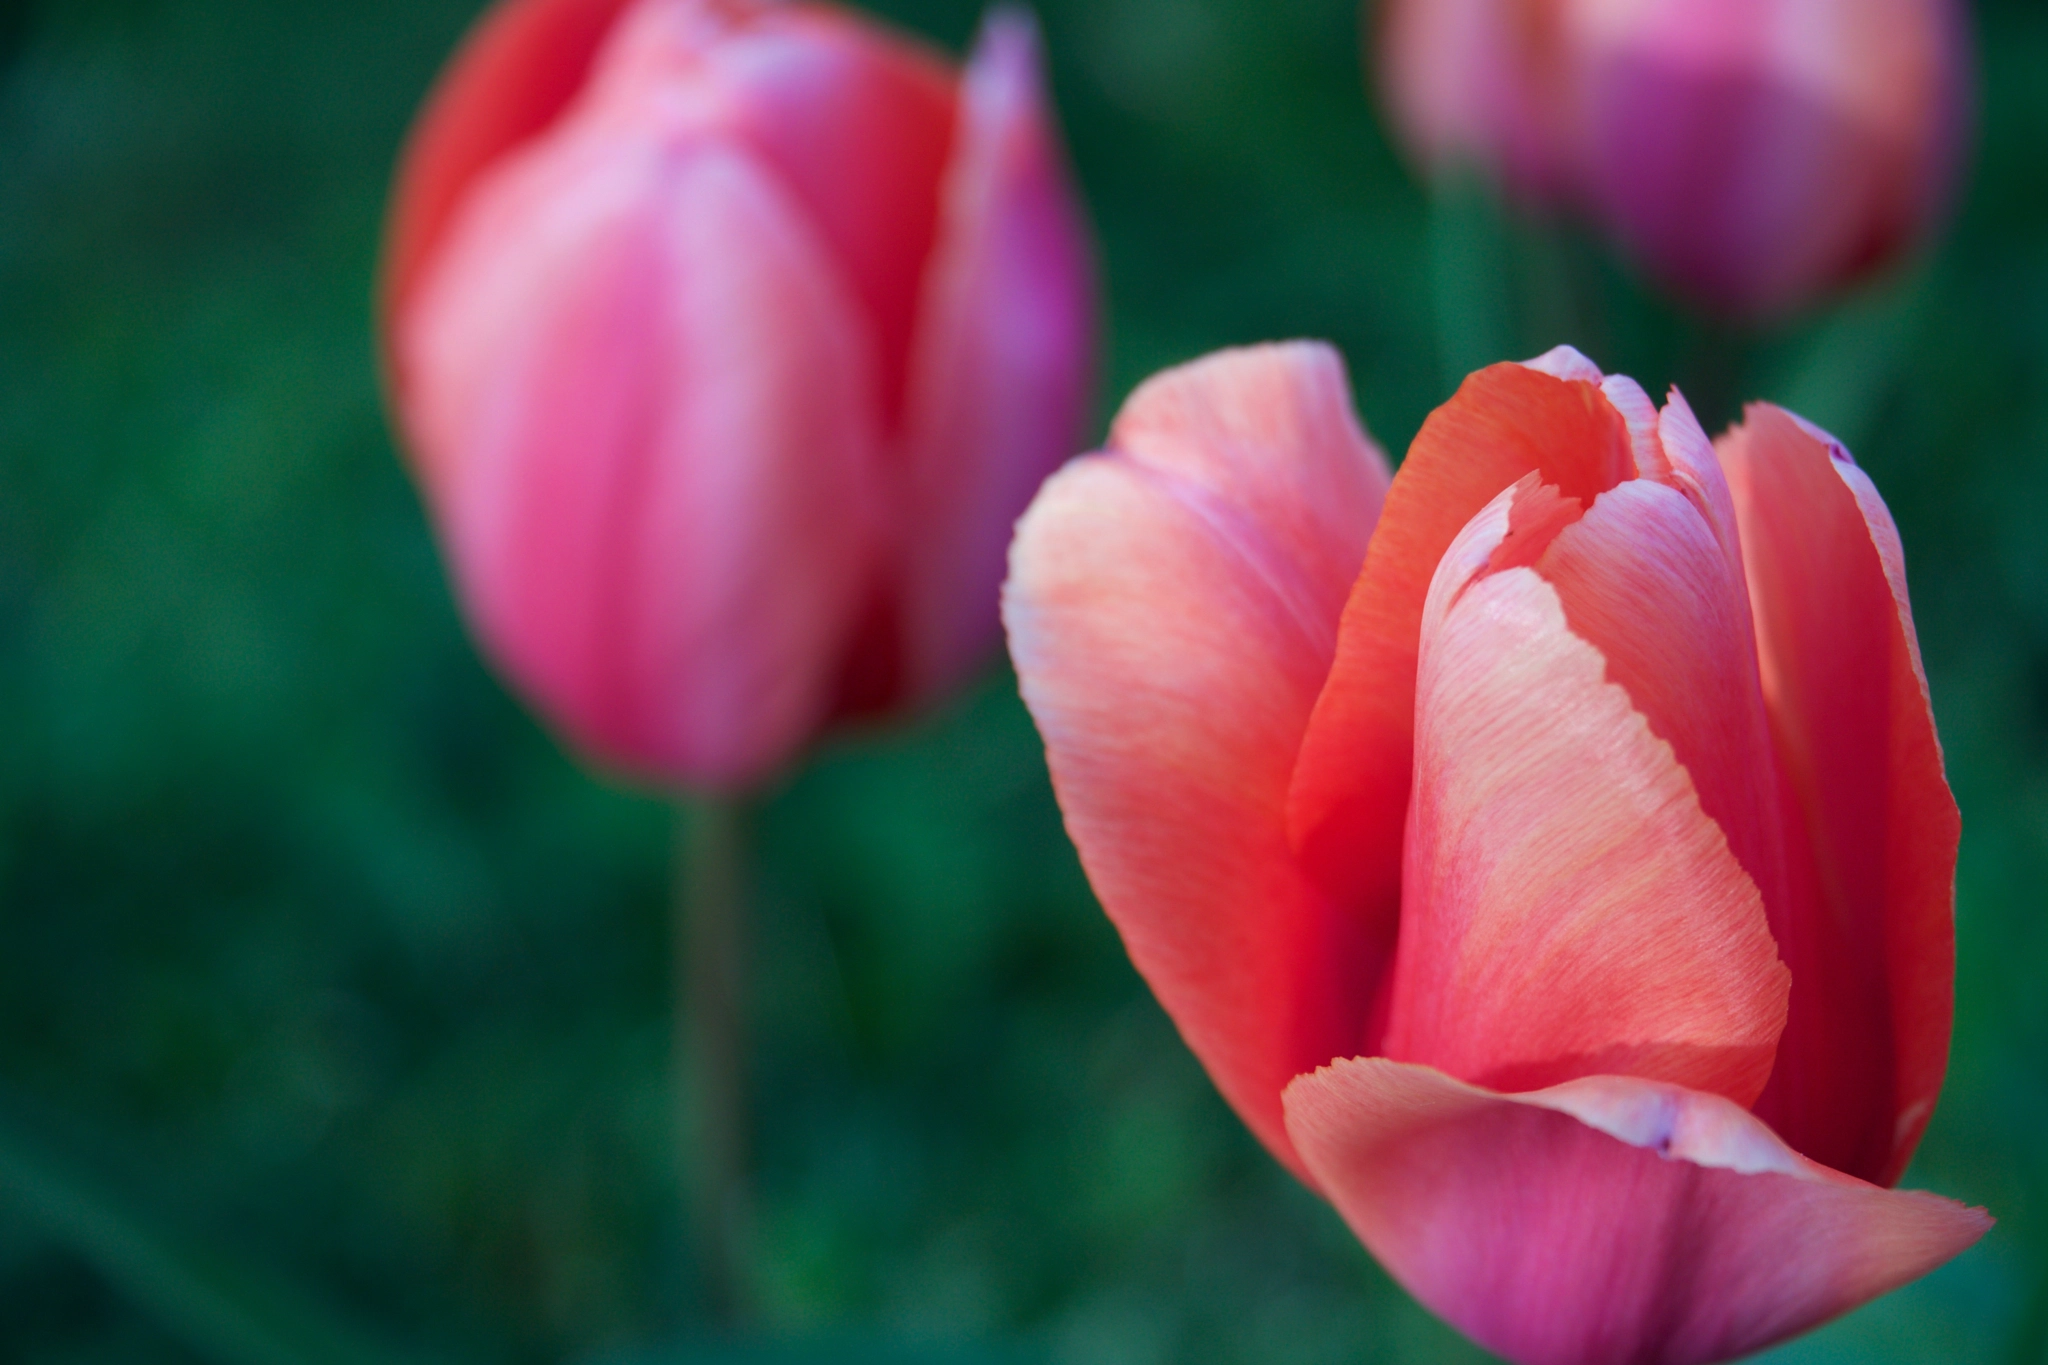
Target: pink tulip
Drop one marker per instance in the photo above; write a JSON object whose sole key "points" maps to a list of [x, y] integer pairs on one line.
{"points": [[1546, 850], [729, 337], [1753, 154]]}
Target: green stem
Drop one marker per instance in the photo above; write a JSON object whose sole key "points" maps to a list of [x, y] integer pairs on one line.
{"points": [[1557, 303], [1470, 282], [710, 906]]}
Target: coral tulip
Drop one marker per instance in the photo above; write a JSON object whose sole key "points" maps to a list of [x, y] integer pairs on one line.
{"points": [[1753, 154], [1547, 850], [728, 338]]}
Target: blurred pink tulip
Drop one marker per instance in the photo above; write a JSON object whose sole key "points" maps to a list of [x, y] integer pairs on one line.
{"points": [[1545, 848], [1752, 154], [728, 338]]}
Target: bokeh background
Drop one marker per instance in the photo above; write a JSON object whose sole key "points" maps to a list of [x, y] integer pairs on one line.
{"points": [[334, 997]]}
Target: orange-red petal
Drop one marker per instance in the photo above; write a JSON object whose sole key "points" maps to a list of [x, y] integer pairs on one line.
{"points": [[1350, 788], [1872, 950]]}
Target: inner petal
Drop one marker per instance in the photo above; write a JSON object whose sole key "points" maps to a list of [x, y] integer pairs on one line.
{"points": [[1349, 795], [1643, 580], [1568, 907]]}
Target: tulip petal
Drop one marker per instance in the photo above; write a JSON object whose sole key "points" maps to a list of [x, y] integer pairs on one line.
{"points": [[645, 420], [1627, 396], [1566, 362], [1568, 909], [1608, 1220], [1692, 467], [1350, 788], [1643, 579], [1172, 609], [514, 74], [1873, 959], [1004, 357], [857, 119]]}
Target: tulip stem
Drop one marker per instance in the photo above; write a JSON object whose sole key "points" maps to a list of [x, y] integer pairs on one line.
{"points": [[710, 906], [1470, 283]]}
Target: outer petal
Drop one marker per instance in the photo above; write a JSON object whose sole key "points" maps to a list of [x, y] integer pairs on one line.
{"points": [[1351, 786], [1005, 353], [514, 74], [857, 119], [1627, 396], [1606, 1220], [1172, 610], [1569, 909], [1873, 961], [643, 406]]}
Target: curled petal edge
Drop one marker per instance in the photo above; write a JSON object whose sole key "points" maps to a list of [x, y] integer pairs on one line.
{"points": [[1609, 1219]]}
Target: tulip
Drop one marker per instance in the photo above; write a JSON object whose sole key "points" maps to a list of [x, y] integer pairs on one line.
{"points": [[728, 338], [1751, 154], [1546, 850]]}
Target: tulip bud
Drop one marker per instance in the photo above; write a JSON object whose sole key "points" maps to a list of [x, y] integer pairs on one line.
{"points": [[1751, 154], [727, 338]]}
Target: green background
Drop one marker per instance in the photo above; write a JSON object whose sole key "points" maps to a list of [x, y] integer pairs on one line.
{"points": [[333, 997]]}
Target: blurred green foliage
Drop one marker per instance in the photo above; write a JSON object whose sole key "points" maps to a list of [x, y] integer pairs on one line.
{"points": [[333, 997]]}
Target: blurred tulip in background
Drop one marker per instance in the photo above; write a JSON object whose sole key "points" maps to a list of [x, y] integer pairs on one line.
{"points": [[1547, 850], [728, 338], [1751, 154]]}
